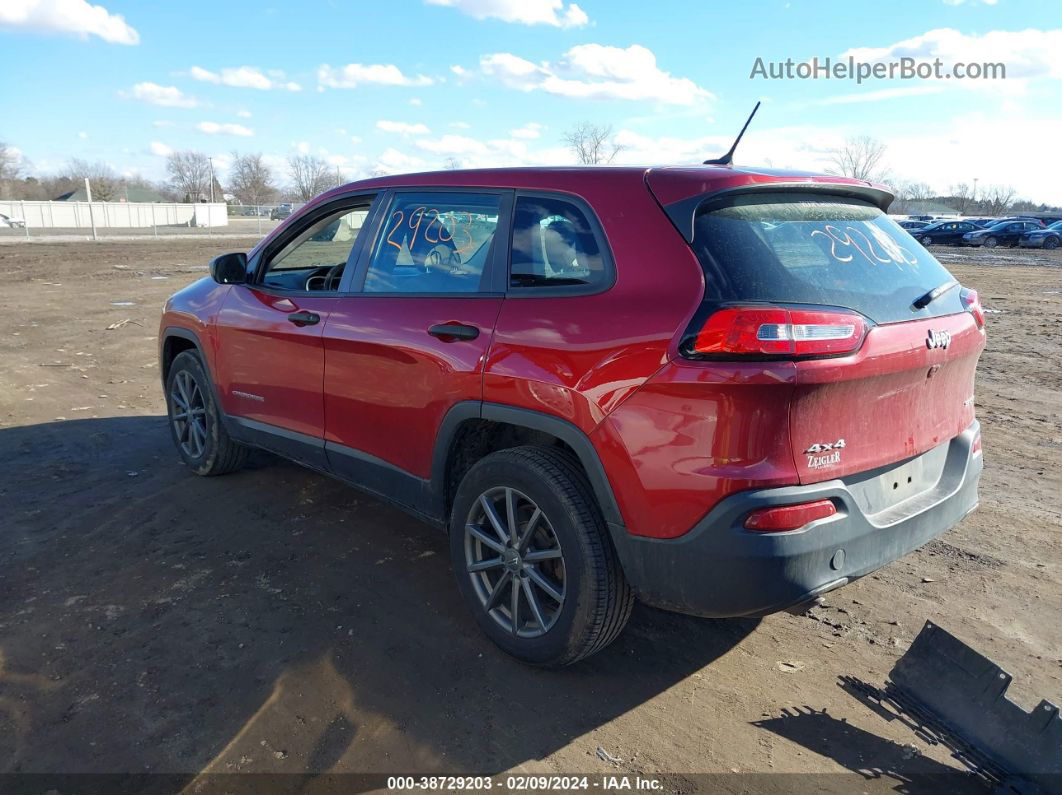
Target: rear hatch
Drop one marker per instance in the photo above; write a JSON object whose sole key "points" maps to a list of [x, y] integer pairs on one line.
{"points": [[885, 342]]}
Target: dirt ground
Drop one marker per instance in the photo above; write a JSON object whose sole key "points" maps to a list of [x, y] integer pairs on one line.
{"points": [[278, 621]]}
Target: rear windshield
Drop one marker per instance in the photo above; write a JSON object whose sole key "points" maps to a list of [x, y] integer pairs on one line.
{"points": [[816, 249]]}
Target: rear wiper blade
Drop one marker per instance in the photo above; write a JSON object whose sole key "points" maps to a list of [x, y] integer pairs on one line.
{"points": [[925, 300]]}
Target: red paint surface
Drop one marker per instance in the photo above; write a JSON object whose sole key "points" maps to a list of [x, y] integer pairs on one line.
{"points": [[674, 436]]}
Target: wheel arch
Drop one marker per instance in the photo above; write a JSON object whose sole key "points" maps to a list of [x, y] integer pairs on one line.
{"points": [[176, 340], [462, 419]]}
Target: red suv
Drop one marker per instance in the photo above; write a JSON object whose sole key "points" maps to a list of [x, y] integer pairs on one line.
{"points": [[722, 391]]}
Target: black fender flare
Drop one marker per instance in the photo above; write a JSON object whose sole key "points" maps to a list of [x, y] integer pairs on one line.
{"points": [[187, 334], [562, 429]]}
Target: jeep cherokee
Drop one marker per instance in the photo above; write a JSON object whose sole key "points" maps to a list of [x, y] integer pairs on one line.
{"points": [[722, 391]]}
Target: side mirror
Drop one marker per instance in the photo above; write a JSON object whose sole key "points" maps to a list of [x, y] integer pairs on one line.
{"points": [[229, 268]]}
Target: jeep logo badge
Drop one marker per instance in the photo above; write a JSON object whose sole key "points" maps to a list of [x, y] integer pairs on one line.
{"points": [[938, 339]]}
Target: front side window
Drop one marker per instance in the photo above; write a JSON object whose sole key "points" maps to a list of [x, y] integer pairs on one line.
{"points": [[315, 258], [554, 246], [434, 243]]}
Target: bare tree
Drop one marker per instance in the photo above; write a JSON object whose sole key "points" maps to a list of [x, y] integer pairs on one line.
{"points": [[996, 199], [190, 174], [592, 144], [106, 185], [859, 158], [962, 197], [10, 167], [452, 164], [309, 176], [251, 180]]}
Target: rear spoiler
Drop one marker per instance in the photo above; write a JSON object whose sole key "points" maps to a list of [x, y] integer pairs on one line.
{"points": [[683, 213]]}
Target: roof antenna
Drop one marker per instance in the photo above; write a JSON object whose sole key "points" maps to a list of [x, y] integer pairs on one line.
{"points": [[728, 158]]}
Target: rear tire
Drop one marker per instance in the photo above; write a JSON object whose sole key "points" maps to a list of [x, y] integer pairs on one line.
{"points": [[991, 242], [925, 241], [195, 420], [1051, 242], [558, 567]]}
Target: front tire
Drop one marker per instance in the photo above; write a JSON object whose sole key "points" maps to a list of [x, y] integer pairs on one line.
{"points": [[533, 558], [1051, 243], [926, 241], [195, 420], [991, 242]]}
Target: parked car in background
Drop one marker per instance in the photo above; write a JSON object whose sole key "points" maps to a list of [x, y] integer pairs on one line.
{"points": [[1006, 233], [700, 386], [7, 222], [1051, 237], [982, 223], [280, 212], [911, 224], [947, 233]]}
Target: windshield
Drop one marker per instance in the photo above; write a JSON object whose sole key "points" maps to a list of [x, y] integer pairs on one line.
{"points": [[824, 250]]}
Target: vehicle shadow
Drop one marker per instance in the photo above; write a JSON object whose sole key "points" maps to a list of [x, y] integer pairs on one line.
{"points": [[872, 757], [272, 620]]}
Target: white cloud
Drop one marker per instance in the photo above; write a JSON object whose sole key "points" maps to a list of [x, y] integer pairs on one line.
{"points": [[354, 74], [160, 149], [166, 96], [416, 102], [596, 71], [974, 2], [244, 114], [402, 127], [82, 135], [877, 96], [245, 77], [162, 123], [354, 139], [214, 128], [500, 152], [392, 161], [1026, 53], [67, 16], [525, 12], [460, 125], [530, 130]]}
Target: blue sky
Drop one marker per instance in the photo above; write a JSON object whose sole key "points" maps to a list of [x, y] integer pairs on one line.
{"points": [[408, 84]]}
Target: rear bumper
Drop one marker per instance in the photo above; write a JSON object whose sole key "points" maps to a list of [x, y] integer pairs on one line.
{"points": [[720, 569]]}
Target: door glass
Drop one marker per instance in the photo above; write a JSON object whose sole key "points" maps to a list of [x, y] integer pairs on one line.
{"points": [[554, 245], [315, 258], [434, 243]]}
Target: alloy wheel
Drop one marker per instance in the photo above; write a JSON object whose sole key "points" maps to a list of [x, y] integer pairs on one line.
{"points": [[513, 558], [188, 414]]}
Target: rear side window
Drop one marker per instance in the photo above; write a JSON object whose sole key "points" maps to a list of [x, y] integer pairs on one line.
{"points": [[554, 245], [434, 243], [823, 250]]}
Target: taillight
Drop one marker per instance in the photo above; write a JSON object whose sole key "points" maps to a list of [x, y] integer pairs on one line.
{"points": [[779, 331], [789, 517], [972, 302]]}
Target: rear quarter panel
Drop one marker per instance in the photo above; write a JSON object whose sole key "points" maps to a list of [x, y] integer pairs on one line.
{"points": [[579, 357]]}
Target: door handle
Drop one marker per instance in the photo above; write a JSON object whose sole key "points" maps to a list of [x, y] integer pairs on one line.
{"points": [[453, 331], [304, 318]]}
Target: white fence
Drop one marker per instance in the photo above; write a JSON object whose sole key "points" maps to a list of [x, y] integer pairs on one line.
{"points": [[114, 215]]}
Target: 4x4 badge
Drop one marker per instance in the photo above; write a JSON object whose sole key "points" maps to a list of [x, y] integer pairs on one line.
{"points": [[824, 454], [938, 339]]}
